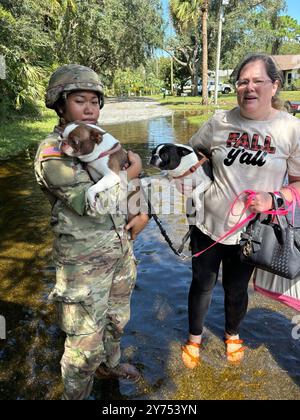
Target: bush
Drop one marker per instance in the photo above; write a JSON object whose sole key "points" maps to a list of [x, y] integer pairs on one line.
{"points": [[28, 110]]}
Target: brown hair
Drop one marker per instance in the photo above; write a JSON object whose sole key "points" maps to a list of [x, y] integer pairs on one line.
{"points": [[272, 70]]}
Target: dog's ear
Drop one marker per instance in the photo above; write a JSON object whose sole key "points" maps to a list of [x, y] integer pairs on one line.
{"points": [[96, 136], [182, 151]]}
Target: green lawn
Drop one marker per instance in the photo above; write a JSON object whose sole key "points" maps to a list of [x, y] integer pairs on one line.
{"points": [[189, 103], [193, 104], [17, 136], [290, 95]]}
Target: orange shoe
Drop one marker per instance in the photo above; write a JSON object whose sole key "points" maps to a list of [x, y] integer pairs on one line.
{"points": [[235, 356], [189, 359]]}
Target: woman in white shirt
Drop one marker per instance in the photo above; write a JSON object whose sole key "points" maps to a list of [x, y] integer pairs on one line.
{"points": [[253, 146]]}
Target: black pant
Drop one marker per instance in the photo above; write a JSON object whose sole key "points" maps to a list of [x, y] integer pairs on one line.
{"points": [[236, 276]]}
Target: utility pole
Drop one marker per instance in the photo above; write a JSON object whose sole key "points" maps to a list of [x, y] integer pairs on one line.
{"points": [[204, 10], [172, 75], [221, 19]]}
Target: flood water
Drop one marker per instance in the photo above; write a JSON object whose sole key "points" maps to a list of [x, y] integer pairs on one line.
{"points": [[30, 354]]}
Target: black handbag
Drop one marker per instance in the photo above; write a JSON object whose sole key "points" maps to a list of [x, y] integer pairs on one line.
{"points": [[271, 246]]}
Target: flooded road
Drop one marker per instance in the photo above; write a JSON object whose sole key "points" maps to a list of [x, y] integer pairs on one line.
{"points": [[30, 354]]}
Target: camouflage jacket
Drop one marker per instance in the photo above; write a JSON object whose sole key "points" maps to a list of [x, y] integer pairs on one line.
{"points": [[81, 237]]}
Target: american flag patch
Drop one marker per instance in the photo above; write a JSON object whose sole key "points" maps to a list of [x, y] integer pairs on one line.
{"points": [[52, 151]]}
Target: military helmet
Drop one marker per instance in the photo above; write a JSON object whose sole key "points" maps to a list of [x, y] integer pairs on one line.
{"points": [[71, 77]]}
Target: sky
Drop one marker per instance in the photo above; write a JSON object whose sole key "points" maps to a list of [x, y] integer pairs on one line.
{"points": [[293, 9]]}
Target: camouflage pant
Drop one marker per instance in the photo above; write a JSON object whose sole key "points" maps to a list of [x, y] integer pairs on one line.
{"points": [[93, 315]]}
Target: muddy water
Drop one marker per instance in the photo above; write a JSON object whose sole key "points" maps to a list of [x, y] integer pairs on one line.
{"points": [[30, 354]]}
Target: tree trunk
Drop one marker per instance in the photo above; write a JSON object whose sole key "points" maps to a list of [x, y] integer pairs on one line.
{"points": [[204, 53], [194, 80], [196, 63], [276, 46]]}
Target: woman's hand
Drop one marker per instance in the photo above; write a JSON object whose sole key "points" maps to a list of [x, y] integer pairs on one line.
{"points": [[262, 202], [137, 224], [135, 165]]}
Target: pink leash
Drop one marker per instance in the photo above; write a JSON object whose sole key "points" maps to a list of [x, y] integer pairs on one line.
{"points": [[251, 196]]}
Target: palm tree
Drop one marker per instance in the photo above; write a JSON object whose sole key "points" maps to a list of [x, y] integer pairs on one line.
{"points": [[184, 14]]}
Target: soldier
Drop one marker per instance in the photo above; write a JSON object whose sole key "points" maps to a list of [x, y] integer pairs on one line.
{"points": [[95, 265]]}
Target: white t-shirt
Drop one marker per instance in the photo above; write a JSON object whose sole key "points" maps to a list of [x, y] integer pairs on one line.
{"points": [[246, 154]]}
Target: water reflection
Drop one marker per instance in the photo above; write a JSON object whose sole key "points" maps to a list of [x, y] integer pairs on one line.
{"points": [[143, 136], [29, 358]]}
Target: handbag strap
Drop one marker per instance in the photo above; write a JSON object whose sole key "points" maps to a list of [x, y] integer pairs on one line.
{"points": [[296, 200], [281, 217], [250, 196]]}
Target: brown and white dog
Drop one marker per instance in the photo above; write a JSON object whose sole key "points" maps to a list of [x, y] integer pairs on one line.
{"points": [[102, 153]]}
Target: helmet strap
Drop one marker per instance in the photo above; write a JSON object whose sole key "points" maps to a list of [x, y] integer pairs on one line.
{"points": [[101, 101]]}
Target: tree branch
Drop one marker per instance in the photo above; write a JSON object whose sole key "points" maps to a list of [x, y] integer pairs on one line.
{"points": [[171, 53], [241, 10]]}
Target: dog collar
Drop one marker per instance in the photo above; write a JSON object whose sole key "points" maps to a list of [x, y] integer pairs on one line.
{"points": [[192, 169]]}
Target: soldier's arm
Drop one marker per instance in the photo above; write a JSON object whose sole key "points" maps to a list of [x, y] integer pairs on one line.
{"points": [[69, 183]]}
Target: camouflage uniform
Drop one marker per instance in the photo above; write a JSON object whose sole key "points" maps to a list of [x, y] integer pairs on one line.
{"points": [[96, 270]]}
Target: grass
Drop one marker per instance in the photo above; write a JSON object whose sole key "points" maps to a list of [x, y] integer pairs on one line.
{"points": [[292, 95], [189, 103], [16, 136], [200, 113], [199, 119]]}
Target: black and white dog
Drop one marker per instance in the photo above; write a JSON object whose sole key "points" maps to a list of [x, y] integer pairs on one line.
{"points": [[189, 170]]}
